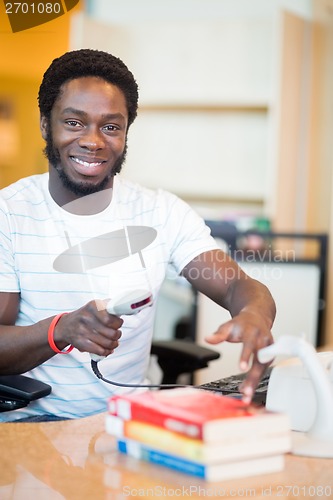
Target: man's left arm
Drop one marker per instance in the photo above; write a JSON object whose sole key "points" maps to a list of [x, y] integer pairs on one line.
{"points": [[249, 302]]}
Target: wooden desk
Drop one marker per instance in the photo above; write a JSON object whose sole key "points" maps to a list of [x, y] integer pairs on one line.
{"points": [[77, 460]]}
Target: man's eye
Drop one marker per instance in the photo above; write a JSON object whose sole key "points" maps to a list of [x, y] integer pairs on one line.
{"points": [[110, 128], [72, 123]]}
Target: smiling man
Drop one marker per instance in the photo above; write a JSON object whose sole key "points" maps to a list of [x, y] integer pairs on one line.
{"points": [[85, 163], [53, 318]]}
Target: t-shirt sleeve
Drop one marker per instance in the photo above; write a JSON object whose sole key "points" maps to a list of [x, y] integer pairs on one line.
{"points": [[8, 275], [187, 233]]}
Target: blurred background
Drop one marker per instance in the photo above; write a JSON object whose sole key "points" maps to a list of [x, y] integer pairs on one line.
{"points": [[236, 106]]}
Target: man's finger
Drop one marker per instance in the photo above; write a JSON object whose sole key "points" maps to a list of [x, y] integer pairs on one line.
{"points": [[248, 387], [228, 331]]}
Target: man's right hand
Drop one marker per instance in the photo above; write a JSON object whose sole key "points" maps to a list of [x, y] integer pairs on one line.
{"points": [[90, 328]]}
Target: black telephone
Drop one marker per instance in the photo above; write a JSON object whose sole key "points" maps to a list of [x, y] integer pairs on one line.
{"points": [[17, 391]]}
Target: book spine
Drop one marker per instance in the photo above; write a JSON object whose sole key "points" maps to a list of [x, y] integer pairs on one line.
{"points": [[137, 411], [149, 434], [194, 449], [202, 427], [138, 450], [218, 472]]}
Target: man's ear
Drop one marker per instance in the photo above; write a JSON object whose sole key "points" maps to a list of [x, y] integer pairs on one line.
{"points": [[43, 123]]}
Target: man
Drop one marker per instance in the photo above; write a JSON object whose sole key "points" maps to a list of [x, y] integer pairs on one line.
{"points": [[62, 241]]}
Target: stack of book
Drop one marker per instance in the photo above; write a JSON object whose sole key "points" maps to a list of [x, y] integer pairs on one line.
{"points": [[200, 433]]}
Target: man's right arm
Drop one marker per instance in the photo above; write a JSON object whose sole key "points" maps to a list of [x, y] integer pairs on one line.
{"points": [[22, 348]]}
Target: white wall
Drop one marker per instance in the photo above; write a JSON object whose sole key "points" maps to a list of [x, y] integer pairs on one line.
{"points": [[208, 73], [125, 11], [205, 93]]}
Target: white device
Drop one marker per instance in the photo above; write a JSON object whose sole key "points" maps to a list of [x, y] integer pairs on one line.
{"points": [[291, 390], [127, 304], [316, 370], [130, 303]]}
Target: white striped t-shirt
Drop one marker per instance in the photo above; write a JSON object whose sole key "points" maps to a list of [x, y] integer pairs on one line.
{"points": [[34, 231]]}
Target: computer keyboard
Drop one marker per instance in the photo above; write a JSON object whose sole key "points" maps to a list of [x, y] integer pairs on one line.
{"points": [[229, 386]]}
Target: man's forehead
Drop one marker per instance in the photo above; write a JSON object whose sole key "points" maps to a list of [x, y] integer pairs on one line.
{"points": [[95, 88], [83, 82]]}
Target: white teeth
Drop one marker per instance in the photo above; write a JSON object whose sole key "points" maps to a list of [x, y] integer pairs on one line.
{"points": [[85, 163]]}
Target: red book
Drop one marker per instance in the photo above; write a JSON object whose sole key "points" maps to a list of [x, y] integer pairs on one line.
{"points": [[197, 413]]}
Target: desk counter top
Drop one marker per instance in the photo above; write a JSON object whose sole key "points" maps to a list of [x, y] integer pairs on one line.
{"points": [[76, 459]]}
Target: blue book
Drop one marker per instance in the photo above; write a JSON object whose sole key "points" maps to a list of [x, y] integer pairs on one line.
{"points": [[213, 472]]}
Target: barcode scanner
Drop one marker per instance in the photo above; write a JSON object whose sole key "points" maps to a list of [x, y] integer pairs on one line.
{"points": [[130, 303], [126, 304]]}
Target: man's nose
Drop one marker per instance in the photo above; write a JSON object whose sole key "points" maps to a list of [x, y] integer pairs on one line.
{"points": [[92, 138]]}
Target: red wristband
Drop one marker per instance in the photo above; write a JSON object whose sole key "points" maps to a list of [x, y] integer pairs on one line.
{"points": [[50, 337]]}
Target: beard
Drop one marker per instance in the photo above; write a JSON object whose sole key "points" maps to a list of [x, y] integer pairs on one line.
{"points": [[79, 188]]}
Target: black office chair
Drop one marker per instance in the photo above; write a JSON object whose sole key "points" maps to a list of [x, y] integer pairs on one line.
{"points": [[179, 357]]}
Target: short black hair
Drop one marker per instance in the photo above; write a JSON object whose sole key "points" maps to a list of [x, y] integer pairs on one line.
{"points": [[87, 62]]}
